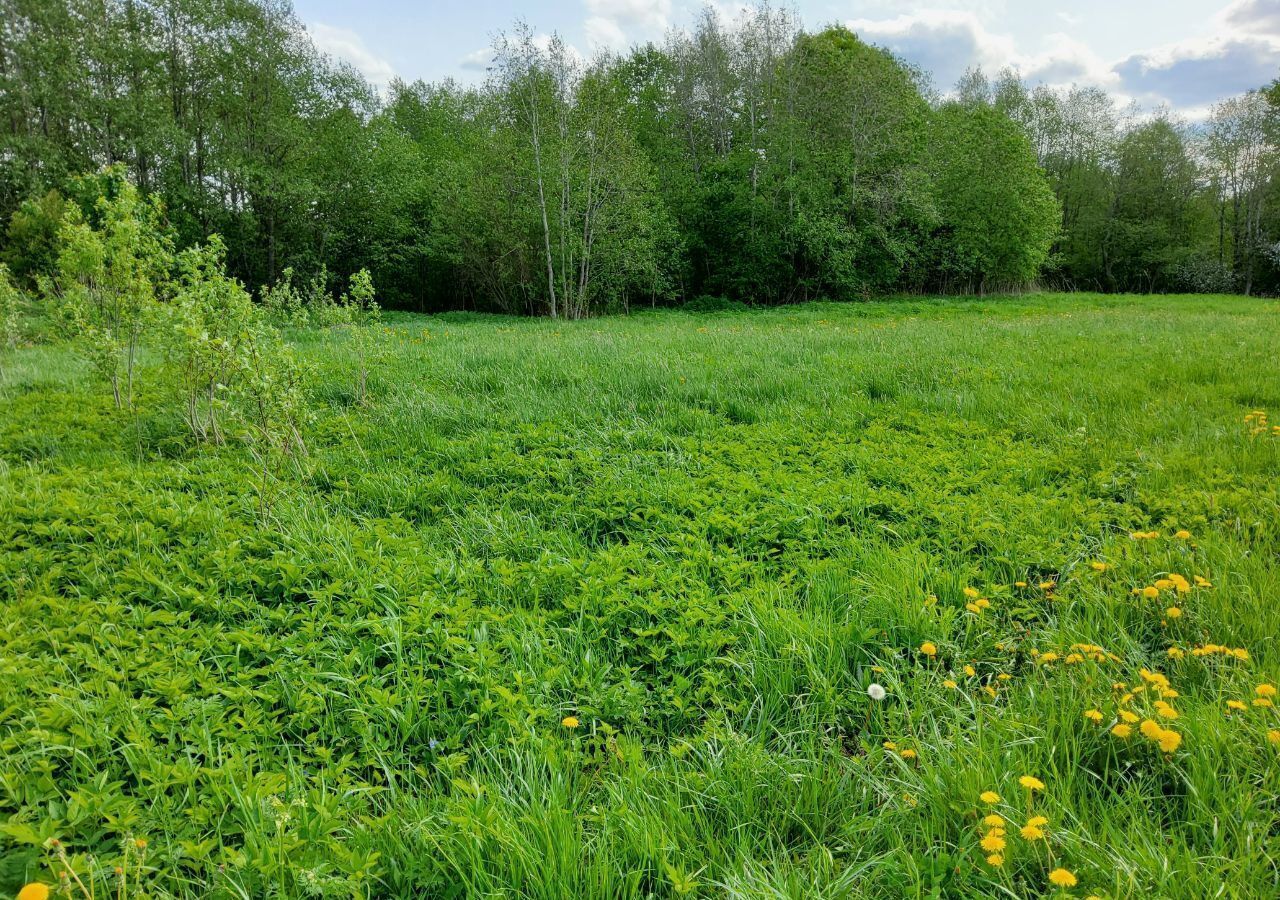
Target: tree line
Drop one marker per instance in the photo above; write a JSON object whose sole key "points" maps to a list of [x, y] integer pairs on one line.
{"points": [[754, 161]]}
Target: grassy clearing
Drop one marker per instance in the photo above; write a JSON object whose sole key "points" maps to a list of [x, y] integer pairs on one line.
{"points": [[701, 538]]}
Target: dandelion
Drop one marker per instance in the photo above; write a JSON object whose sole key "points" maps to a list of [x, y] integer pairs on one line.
{"points": [[1032, 833], [1274, 736], [970, 671], [1262, 703], [1170, 741], [1265, 690], [1150, 729], [971, 593], [1151, 592], [993, 820], [1122, 730], [989, 797], [570, 722], [875, 691], [1063, 878], [1093, 715], [1173, 612], [1020, 584], [948, 683], [929, 648], [1099, 566], [1182, 534], [908, 754], [1235, 705], [36, 890], [993, 843], [1037, 821], [996, 860], [1031, 783]]}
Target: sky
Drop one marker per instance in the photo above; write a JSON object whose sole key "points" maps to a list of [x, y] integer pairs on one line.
{"points": [[1185, 54]]}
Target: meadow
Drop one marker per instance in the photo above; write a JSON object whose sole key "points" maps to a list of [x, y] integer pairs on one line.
{"points": [[912, 598]]}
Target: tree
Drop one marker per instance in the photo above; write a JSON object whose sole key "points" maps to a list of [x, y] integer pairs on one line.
{"points": [[998, 213]]}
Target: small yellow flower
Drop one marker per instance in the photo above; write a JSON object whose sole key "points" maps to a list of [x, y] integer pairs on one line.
{"points": [[992, 820], [1170, 741], [1182, 534], [1164, 584], [948, 683], [1031, 783], [570, 722], [929, 648], [1093, 715], [1151, 592], [1037, 821], [971, 593], [1263, 702], [1032, 833], [1063, 878], [34, 891], [890, 745], [1235, 704], [1265, 690], [908, 754], [1122, 730], [1129, 717], [1274, 736], [1020, 584], [995, 859], [1173, 612], [970, 671], [1099, 566], [989, 797], [992, 843]]}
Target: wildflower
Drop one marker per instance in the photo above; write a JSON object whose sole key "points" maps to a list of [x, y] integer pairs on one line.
{"points": [[970, 671], [1170, 741], [1129, 717], [1099, 566], [1235, 704], [1274, 736], [973, 608], [1020, 584], [1181, 584], [1176, 653], [1046, 585], [570, 722], [995, 859], [989, 797], [948, 683], [1063, 878], [1032, 833], [1031, 783], [1151, 592], [1122, 730], [1093, 715], [890, 745], [1037, 821], [875, 691], [34, 891], [908, 754], [1262, 702], [993, 820], [929, 648], [1265, 690], [1150, 729], [1165, 711], [971, 593], [1182, 534], [1173, 612], [992, 843], [1164, 584]]}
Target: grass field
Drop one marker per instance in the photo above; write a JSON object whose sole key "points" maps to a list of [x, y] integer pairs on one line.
{"points": [[593, 609]]}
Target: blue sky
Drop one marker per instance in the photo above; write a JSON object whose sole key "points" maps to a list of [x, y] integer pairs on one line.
{"points": [[1184, 53]]}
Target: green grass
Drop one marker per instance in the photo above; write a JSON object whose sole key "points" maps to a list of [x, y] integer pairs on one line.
{"points": [[703, 536]]}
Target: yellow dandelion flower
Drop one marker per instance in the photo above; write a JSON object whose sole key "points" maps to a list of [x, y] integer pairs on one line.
{"points": [[1150, 729], [1263, 702], [1031, 833], [34, 891], [1173, 612], [948, 683], [1099, 566], [970, 671], [973, 607], [993, 843], [570, 722], [1031, 783], [908, 754], [929, 648], [1063, 878], [1170, 741], [1164, 584], [1020, 584], [1128, 717], [1274, 736], [1182, 534], [989, 797], [1265, 690], [1151, 592], [890, 745], [1122, 730], [996, 860], [993, 820], [1037, 821], [1235, 704], [1093, 715], [971, 593]]}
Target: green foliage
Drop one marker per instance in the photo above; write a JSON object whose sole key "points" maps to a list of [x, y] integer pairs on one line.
{"points": [[109, 272], [999, 216], [10, 299], [364, 317], [31, 239], [701, 537]]}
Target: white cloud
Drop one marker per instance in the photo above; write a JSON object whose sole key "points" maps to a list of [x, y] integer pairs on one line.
{"points": [[477, 60], [1257, 17], [614, 24], [348, 46]]}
